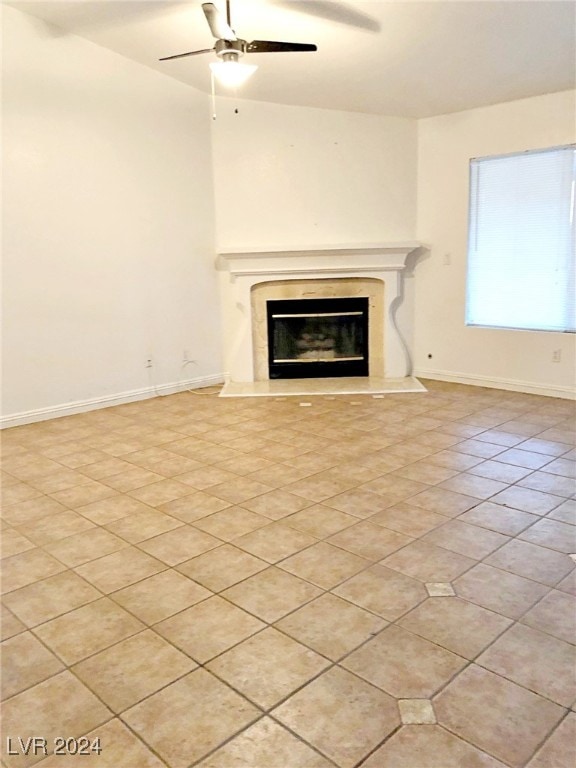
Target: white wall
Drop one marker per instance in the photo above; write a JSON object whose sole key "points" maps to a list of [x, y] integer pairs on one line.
{"points": [[295, 176], [108, 224], [514, 359]]}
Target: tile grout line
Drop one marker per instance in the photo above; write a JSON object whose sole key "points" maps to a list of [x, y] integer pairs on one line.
{"points": [[325, 591]]}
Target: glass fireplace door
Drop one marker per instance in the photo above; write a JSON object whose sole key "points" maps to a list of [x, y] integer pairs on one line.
{"points": [[318, 338]]}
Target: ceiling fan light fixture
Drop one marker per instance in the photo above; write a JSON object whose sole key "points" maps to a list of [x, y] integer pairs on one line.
{"points": [[231, 73]]}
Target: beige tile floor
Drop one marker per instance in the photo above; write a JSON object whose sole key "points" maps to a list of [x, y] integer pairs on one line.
{"points": [[383, 582]]}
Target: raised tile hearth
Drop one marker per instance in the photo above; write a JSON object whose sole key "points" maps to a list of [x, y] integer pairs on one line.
{"points": [[376, 386]]}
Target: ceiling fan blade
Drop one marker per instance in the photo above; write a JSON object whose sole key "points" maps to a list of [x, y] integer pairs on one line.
{"points": [[190, 53], [339, 12], [269, 46], [219, 27]]}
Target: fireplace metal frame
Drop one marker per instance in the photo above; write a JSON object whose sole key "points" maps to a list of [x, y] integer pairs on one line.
{"points": [[357, 365]]}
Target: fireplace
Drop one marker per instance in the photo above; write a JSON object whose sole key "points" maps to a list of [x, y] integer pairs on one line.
{"points": [[251, 278], [317, 338]]}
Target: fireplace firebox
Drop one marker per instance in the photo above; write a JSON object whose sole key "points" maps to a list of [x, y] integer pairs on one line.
{"points": [[317, 338]]}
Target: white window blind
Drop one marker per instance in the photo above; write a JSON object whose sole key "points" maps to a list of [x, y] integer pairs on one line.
{"points": [[521, 270]]}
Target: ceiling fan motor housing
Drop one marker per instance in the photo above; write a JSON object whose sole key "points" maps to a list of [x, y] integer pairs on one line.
{"points": [[230, 50]]}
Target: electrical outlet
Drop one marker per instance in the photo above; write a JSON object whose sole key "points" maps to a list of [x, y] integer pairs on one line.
{"points": [[557, 356], [149, 363], [447, 259]]}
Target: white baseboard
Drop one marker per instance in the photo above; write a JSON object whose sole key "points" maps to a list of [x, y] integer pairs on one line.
{"points": [[82, 406], [513, 385]]}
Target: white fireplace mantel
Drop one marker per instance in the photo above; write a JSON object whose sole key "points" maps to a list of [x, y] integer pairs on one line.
{"points": [[323, 259], [248, 267]]}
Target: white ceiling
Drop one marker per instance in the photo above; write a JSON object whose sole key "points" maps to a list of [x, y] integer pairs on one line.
{"points": [[406, 58]]}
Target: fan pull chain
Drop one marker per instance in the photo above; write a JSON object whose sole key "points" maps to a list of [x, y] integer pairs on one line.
{"points": [[213, 95]]}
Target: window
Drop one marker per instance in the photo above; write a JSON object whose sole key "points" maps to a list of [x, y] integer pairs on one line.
{"points": [[521, 271]]}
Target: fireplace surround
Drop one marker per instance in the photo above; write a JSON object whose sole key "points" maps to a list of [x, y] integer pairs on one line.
{"points": [[252, 277]]}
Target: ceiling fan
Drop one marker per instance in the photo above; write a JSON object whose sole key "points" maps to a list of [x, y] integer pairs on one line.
{"points": [[229, 48]]}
